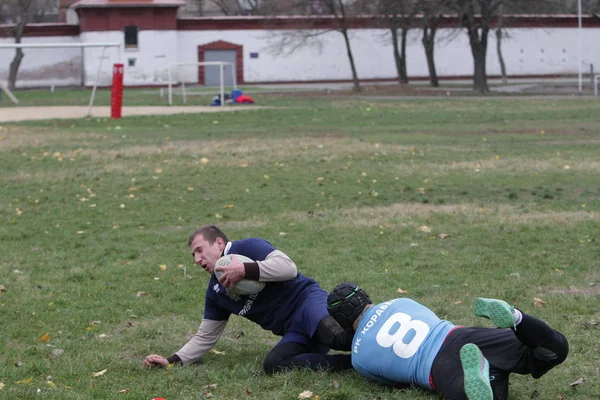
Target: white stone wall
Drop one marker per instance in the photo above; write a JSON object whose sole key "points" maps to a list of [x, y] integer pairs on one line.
{"points": [[146, 65], [535, 51], [539, 51]]}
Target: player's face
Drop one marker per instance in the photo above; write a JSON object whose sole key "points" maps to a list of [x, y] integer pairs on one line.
{"points": [[206, 254]]}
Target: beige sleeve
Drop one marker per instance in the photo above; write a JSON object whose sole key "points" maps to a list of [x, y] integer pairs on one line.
{"points": [[208, 334], [277, 267]]}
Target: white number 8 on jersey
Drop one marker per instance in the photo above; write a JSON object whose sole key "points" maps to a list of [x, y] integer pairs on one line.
{"points": [[403, 350]]}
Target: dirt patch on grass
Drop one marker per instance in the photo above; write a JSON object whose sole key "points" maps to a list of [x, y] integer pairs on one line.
{"points": [[591, 290], [234, 151], [572, 142], [413, 214]]}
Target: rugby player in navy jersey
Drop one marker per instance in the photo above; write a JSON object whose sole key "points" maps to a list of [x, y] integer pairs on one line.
{"points": [[290, 305], [401, 342]]}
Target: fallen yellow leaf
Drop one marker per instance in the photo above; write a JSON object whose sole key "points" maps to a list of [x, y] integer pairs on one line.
{"points": [[124, 391], [26, 381], [2, 385], [424, 228], [538, 302], [204, 160], [217, 352], [307, 394], [45, 337], [212, 386], [266, 176], [163, 267], [401, 291], [99, 373]]}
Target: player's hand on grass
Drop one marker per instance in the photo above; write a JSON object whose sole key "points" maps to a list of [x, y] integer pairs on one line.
{"points": [[233, 273], [154, 360]]}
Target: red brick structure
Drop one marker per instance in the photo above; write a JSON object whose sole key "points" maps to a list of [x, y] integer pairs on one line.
{"points": [[106, 15]]}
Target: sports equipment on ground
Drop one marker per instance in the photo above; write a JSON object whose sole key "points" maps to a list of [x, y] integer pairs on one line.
{"points": [[173, 72], [499, 311], [476, 370], [245, 286]]}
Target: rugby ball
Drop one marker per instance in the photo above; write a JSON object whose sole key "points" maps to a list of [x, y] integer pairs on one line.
{"points": [[245, 286]]}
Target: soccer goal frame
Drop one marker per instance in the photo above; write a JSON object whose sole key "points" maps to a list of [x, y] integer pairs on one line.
{"points": [[64, 45], [220, 64], [10, 94]]}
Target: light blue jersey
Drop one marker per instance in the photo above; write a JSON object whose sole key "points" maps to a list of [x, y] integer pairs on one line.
{"points": [[397, 341]]}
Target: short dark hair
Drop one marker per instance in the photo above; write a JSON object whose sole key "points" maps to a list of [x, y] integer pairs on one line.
{"points": [[208, 232]]}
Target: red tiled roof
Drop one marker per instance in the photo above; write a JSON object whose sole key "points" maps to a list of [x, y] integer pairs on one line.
{"points": [[127, 3]]}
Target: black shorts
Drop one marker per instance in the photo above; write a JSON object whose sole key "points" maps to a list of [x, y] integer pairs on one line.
{"points": [[500, 347]]}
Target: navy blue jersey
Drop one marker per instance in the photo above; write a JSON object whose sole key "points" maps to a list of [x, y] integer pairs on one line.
{"points": [[397, 341], [295, 306]]}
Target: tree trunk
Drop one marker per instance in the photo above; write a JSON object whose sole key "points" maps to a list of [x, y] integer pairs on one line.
{"points": [[428, 41], [480, 76], [403, 69], [478, 49], [499, 45], [24, 14], [16, 62], [399, 48], [355, 81], [14, 68], [500, 55]]}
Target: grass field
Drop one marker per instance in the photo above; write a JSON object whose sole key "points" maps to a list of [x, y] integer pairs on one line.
{"points": [[95, 216]]}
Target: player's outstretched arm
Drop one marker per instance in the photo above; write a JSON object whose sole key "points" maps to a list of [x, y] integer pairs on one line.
{"points": [[207, 336]]}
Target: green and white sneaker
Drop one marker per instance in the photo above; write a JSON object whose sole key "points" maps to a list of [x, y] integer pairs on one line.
{"points": [[498, 311], [476, 371]]}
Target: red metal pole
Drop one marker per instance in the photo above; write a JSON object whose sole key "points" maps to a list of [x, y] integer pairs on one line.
{"points": [[116, 95]]}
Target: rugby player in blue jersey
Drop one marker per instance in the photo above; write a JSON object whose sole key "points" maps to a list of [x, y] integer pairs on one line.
{"points": [[290, 305], [401, 342]]}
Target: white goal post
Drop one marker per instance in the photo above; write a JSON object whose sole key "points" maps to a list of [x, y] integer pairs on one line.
{"points": [[65, 45], [220, 64], [10, 94]]}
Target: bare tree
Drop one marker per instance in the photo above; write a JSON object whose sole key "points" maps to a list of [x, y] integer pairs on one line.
{"points": [[476, 17], [499, 37], [238, 7], [310, 33], [432, 15], [20, 13], [399, 15]]}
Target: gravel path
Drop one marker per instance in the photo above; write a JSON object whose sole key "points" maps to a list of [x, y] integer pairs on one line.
{"points": [[11, 114]]}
